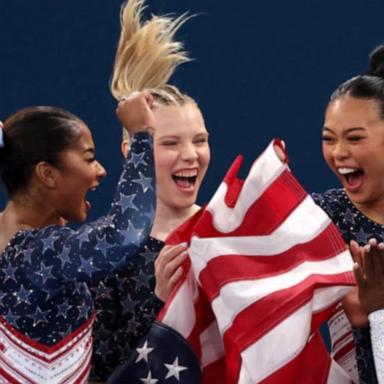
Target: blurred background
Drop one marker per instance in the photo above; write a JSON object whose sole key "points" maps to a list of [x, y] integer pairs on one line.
{"points": [[260, 70]]}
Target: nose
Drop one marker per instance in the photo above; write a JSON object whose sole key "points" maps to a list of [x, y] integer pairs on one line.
{"points": [[340, 151], [101, 172], [189, 152]]}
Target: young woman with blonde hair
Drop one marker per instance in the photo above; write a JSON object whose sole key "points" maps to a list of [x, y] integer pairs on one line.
{"points": [[128, 302]]}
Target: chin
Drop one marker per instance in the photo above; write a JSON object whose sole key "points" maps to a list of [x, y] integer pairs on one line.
{"points": [[79, 218], [357, 197], [82, 218], [183, 203], [180, 202]]}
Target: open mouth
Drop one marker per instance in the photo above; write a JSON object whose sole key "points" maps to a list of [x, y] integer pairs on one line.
{"points": [[86, 202], [185, 179], [353, 177]]}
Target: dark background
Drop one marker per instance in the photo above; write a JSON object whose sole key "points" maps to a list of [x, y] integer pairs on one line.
{"points": [[261, 70]]}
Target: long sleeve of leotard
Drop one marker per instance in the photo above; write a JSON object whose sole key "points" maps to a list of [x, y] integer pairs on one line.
{"points": [[57, 254]]}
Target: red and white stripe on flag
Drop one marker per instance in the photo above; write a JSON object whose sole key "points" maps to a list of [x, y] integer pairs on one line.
{"points": [[266, 269]]}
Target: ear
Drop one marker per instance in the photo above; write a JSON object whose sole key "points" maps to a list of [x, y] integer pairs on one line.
{"points": [[47, 174], [125, 147]]}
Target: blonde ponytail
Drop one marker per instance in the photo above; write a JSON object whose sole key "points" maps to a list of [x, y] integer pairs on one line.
{"points": [[146, 55]]}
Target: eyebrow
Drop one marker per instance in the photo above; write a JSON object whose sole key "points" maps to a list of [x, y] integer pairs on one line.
{"points": [[349, 130], [91, 150], [168, 137], [202, 134], [178, 136]]}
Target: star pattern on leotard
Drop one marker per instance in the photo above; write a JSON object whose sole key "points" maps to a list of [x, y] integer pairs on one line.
{"points": [[23, 295], [44, 273], [138, 159], [125, 314], [144, 182]]}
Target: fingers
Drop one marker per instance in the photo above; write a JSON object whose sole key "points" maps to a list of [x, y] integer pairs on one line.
{"points": [[175, 277], [171, 267], [149, 98], [359, 276], [374, 262], [169, 252], [134, 112], [379, 260], [130, 96], [369, 262], [370, 278], [356, 252], [145, 94], [168, 269], [353, 308], [169, 259], [353, 245]]}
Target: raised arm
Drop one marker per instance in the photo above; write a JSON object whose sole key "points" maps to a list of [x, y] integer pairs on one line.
{"points": [[90, 252]]}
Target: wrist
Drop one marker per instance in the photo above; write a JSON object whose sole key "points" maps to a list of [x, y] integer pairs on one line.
{"points": [[139, 129], [159, 295]]}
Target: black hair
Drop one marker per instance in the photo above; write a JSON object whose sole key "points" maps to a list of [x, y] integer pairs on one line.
{"points": [[368, 86], [32, 135]]}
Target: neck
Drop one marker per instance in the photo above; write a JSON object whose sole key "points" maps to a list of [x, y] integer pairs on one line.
{"points": [[169, 218], [23, 212], [375, 212]]}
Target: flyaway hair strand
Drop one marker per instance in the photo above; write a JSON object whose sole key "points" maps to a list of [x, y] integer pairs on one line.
{"points": [[146, 55]]}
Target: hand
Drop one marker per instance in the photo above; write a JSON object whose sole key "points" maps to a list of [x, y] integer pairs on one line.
{"points": [[168, 269], [135, 112], [353, 309], [369, 272], [351, 303], [357, 252]]}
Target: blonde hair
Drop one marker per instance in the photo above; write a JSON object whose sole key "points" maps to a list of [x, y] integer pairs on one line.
{"points": [[147, 55]]}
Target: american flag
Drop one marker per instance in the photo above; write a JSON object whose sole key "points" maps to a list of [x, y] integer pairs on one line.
{"points": [[266, 269]]}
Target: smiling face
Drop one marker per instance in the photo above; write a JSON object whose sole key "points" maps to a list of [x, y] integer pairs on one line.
{"points": [[78, 172], [181, 154], [353, 147]]}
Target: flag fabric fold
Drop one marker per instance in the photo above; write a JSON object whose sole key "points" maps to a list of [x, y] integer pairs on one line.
{"points": [[267, 267]]}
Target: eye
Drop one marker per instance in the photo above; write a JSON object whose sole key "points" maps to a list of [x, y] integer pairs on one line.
{"points": [[90, 160], [355, 138], [201, 140], [169, 143], [327, 139]]}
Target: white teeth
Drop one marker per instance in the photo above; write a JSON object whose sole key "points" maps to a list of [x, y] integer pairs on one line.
{"points": [[186, 173], [345, 171]]}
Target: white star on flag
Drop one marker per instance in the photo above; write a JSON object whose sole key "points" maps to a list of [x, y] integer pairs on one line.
{"points": [[174, 369], [148, 379], [143, 353]]}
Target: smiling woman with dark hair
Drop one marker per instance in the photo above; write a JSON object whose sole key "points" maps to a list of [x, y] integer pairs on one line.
{"points": [[48, 165], [353, 147]]}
